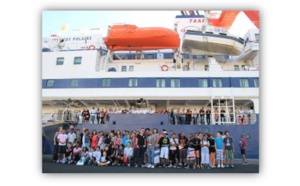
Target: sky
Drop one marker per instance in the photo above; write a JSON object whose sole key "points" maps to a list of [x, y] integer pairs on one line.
{"points": [[80, 22]]}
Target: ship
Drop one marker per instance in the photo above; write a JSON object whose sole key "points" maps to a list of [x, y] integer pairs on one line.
{"points": [[153, 77]]}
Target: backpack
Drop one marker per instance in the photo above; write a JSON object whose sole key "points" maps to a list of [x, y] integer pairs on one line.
{"points": [[241, 144]]}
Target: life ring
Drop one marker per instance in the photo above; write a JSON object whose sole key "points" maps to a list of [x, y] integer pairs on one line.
{"points": [[92, 47], [164, 68]]}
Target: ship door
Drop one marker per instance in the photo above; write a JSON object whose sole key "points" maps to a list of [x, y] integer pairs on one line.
{"points": [[222, 111]]}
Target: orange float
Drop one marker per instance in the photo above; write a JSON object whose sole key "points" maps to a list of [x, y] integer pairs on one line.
{"points": [[164, 68], [92, 47], [130, 37]]}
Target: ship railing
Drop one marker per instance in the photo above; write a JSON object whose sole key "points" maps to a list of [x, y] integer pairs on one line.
{"points": [[48, 118], [196, 119]]}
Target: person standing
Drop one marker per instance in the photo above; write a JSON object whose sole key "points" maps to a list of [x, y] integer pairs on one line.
{"points": [[172, 116], [249, 113], [128, 154], [151, 142], [212, 150], [241, 115], [205, 152], [208, 113], [93, 115], [86, 139], [222, 115], [55, 142], [102, 113], [188, 116], [66, 115], [86, 115], [195, 117], [243, 146], [141, 141], [228, 148], [196, 145], [72, 137], [231, 115], [219, 149], [173, 150], [94, 139], [79, 117], [202, 113], [62, 146], [183, 144], [164, 144], [216, 112], [98, 116]]}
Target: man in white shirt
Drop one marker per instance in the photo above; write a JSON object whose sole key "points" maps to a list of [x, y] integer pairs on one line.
{"points": [[93, 114], [144, 111], [151, 111], [241, 115], [128, 153], [249, 113], [71, 136]]}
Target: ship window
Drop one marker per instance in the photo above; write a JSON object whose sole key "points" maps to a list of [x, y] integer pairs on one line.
{"points": [[50, 83], [77, 60], [202, 83], [160, 83], [236, 67], [175, 82], [74, 83], [217, 82], [60, 61], [131, 68], [106, 82], [133, 82], [124, 68], [206, 68], [244, 82], [257, 37], [256, 83]]}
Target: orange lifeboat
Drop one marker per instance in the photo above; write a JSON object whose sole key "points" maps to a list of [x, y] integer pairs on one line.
{"points": [[130, 37]]}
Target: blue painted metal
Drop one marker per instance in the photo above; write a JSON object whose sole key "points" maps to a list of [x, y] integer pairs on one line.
{"points": [[149, 82]]}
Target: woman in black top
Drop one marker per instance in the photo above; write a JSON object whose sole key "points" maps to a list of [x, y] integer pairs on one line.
{"points": [[196, 145], [212, 150], [86, 115]]}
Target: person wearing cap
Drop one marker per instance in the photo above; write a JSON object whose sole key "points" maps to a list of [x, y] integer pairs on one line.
{"points": [[164, 144]]}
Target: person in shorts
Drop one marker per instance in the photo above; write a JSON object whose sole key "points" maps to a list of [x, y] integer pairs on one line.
{"points": [[164, 144], [243, 146], [173, 150], [62, 145], [182, 149], [228, 148], [219, 149]]}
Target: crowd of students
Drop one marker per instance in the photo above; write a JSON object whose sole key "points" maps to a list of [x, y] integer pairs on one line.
{"points": [[139, 149]]}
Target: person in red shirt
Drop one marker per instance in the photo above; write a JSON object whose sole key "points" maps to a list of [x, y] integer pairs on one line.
{"points": [[94, 139], [243, 146]]}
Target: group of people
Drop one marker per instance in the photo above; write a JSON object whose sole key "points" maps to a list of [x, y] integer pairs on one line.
{"points": [[177, 116], [138, 148], [208, 117]]}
